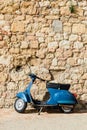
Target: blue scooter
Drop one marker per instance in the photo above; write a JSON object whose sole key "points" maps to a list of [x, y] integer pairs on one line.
{"points": [[59, 97]]}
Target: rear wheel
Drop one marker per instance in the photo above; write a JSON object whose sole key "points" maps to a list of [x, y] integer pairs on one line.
{"points": [[66, 108], [20, 105]]}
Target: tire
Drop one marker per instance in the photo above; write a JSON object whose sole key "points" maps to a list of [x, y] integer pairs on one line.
{"points": [[66, 108], [20, 105]]}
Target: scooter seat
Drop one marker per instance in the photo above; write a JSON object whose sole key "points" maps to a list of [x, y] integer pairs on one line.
{"points": [[58, 86]]}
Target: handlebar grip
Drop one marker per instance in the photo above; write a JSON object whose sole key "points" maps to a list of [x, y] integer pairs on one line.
{"points": [[34, 76], [40, 78]]}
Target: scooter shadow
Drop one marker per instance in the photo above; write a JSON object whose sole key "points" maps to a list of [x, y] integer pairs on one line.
{"points": [[30, 111], [53, 111]]}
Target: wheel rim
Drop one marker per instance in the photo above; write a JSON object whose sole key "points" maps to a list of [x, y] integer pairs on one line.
{"points": [[67, 108], [19, 104]]}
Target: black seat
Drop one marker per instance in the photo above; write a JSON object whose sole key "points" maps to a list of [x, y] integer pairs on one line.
{"points": [[58, 86]]}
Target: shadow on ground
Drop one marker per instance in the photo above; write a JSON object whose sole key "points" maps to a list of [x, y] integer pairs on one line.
{"points": [[52, 110]]}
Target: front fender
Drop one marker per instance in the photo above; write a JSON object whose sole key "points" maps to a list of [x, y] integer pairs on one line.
{"points": [[23, 96]]}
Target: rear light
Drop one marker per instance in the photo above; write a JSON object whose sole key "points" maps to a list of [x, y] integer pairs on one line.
{"points": [[75, 95]]}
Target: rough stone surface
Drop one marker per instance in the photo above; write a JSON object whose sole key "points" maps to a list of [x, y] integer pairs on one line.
{"points": [[78, 28], [45, 38], [65, 44], [57, 26], [17, 26]]}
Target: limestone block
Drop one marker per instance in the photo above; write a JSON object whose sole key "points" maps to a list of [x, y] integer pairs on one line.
{"points": [[82, 3], [34, 44], [24, 45], [25, 4], [41, 53], [58, 37], [61, 63], [17, 76], [78, 88], [21, 59], [32, 10], [1, 67], [73, 37], [6, 28], [52, 17], [19, 18], [67, 29], [78, 28], [64, 11], [2, 23], [46, 63], [72, 61], [35, 61], [17, 26], [79, 11], [20, 37], [78, 45], [14, 50], [67, 54], [84, 76], [57, 26], [75, 77], [12, 86], [52, 46], [62, 3], [5, 59], [66, 36], [50, 56], [41, 72], [2, 102], [84, 38], [55, 11], [59, 53], [80, 61], [84, 97], [7, 9], [57, 68], [39, 34], [85, 59], [13, 38], [3, 77], [44, 3], [85, 84], [1, 17], [15, 6], [85, 13], [54, 62], [65, 44], [2, 44], [41, 39], [7, 2]]}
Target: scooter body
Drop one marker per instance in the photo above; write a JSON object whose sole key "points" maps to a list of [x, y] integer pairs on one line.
{"points": [[58, 96]]}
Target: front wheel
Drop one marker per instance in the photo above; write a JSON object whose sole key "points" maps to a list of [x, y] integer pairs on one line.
{"points": [[20, 105], [66, 108]]}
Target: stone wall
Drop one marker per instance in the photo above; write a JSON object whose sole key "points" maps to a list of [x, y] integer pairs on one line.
{"points": [[44, 37]]}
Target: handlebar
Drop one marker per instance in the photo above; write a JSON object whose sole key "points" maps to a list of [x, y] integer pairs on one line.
{"points": [[34, 76]]}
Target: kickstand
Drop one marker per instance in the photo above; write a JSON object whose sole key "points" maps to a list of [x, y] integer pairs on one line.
{"points": [[40, 110]]}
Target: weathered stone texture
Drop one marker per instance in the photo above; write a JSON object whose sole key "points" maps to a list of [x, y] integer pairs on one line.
{"points": [[17, 26], [45, 38], [57, 26], [78, 28]]}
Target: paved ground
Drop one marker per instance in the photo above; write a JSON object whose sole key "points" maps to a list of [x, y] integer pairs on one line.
{"points": [[11, 120]]}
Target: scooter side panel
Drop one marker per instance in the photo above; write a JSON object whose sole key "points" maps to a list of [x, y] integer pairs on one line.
{"points": [[65, 97], [51, 100], [23, 96]]}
